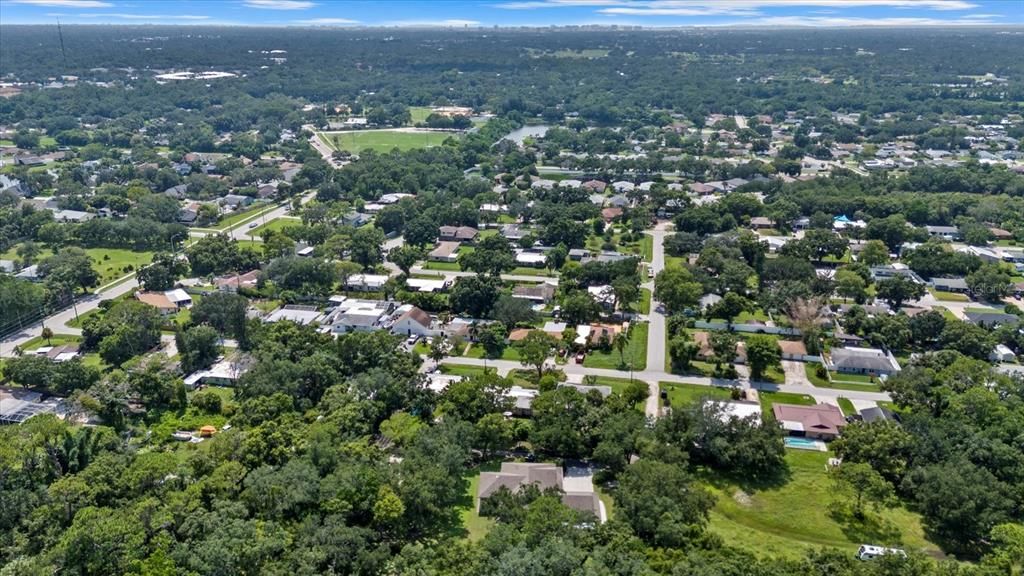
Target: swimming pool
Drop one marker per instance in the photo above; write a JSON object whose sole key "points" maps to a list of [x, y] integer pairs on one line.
{"points": [[803, 443]]}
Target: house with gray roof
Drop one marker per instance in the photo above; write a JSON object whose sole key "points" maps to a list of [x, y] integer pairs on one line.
{"points": [[992, 319], [515, 476], [862, 361]]}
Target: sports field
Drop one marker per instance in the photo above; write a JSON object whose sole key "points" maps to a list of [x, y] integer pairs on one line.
{"points": [[383, 140]]}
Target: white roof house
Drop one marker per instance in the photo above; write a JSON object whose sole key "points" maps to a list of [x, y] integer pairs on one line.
{"points": [[299, 314], [739, 410], [427, 284], [366, 282], [1002, 353], [179, 298]]}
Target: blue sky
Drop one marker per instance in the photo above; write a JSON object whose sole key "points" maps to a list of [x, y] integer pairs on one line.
{"points": [[654, 13]]}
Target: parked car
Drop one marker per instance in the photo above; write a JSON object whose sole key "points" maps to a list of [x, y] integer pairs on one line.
{"points": [[412, 340], [581, 357], [869, 552]]}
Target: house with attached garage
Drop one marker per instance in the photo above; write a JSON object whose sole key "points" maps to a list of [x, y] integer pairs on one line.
{"points": [[821, 421], [869, 361], [956, 285]]}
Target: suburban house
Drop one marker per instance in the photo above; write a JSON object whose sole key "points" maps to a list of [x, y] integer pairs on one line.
{"points": [[794, 350], [706, 353], [761, 223], [949, 233], [530, 258], [893, 270], [610, 214], [444, 252], [514, 476], [870, 361], [739, 410], [60, 353], [301, 315], [992, 319], [821, 421], [158, 300], [540, 293], [366, 282], [354, 315], [235, 201], [1002, 353], [427, 284], [411, 321], [957, 285], [225, 372], [457, 234], [179, 298], [233, 282], [876, 413]]}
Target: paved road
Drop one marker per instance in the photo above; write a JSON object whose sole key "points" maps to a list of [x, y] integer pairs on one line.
{"points": [[421, 271], [240, 230], [656, 328], [58, 322], [653, 376]]}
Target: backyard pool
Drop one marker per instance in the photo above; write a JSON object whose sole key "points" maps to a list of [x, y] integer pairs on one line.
{"points": [[803, 443]]}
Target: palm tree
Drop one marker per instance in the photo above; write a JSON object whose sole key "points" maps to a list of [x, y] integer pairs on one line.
{"points": [[47, 334], [620, 342]]}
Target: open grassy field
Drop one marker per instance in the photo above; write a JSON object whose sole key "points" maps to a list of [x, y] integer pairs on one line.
{"points": [[232, 219], [419, 113], [949, 296], [840, 381], [686, 394], [113, 263], [275, 225], [636, 352], [768, 398], [801, 512], [384, 140]]}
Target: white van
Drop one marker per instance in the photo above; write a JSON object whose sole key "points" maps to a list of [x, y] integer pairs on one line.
{"points": [[869, 552]]}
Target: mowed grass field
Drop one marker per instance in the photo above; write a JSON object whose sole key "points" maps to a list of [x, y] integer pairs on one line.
{"points": [[384, 140], [109, 263], [801, 512]]}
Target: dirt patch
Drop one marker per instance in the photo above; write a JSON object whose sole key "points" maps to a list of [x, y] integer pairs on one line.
{"points": [[742, 498]]}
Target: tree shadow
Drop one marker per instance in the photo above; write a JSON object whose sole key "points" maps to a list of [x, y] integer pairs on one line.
{"points": [[870, 528], [749, 484]]}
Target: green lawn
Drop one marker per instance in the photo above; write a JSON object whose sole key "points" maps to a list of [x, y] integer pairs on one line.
{"points": [[111, 268], [57, 340], [385, 140], [802, 514], [685, 394], [275, 225], [768, 398], [113, 263], [419, 113], [644, 305], [636, 352], [840, 381], [509, 353], [949, 296], [232, 219], [443, 266], [846, 406], [77, 322]]}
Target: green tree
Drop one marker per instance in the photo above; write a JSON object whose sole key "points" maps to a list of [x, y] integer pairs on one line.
{"points": [[367, 246], [69, 268], [535, 349], [990, 283], [199, 347], [849, 284], [681, 351], [492, 255], [874, 253], [897, 290], [405, 257], [677, 290], [662, 504], [762, 353]]}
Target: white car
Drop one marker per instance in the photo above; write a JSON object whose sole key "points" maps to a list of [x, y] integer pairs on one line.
{"points": [[869, 552]]}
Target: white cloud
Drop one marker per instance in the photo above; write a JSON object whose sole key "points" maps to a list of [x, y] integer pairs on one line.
{"points": [[148, 16], [279, 4], [325, 22], [711, 7], [433, 23], [726, 10], [842, 22], [65, 3]]}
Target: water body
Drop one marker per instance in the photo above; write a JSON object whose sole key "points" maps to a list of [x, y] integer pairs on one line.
{"points": [[525, 132]]}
